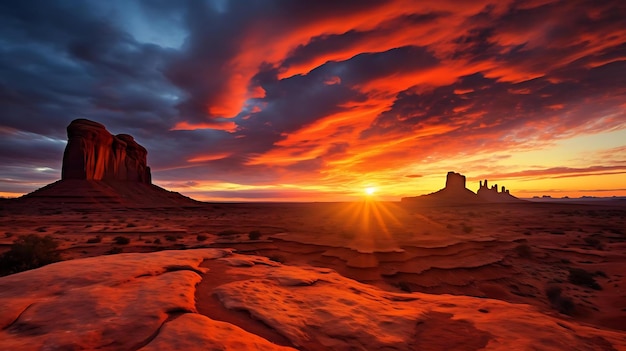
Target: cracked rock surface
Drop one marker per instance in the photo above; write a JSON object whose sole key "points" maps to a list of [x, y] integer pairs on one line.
{"points": [[147, 301]]}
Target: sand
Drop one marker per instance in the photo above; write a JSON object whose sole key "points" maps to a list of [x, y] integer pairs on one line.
{"points": [[509, 253]]}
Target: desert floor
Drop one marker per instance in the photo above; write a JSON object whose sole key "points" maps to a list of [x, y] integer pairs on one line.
{"points": [[521, 253]]}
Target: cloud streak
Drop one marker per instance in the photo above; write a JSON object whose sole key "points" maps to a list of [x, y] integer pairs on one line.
{"points": [[339, 95]]}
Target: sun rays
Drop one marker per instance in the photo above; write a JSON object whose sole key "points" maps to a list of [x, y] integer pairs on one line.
{"points": [[369, 191], [370, 223]]}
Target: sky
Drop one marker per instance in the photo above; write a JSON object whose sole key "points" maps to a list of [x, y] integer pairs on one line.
{"points": [[297, 100]]}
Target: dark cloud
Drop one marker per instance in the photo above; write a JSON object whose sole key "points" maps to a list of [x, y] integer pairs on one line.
{"points": [[256, 92]]}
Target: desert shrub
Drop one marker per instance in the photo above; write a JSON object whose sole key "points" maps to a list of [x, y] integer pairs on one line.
{"points": [[565, 305], [581, 277], [277, 258], [561, 303], [404, 286], [254, 235], [170, 238], [601, 274], [201, 237], [523, 250], [121, 240], [29, 252], [114, 251], [227, 232], [157, 241], [467, 229], [131, 225], [595, 242], [41, 229], [553, 292], [95, 240]]}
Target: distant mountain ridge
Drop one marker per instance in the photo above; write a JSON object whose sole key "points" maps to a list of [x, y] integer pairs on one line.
{"points": [[456, 193]]}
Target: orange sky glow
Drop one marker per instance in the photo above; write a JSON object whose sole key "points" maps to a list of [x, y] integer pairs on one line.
{"points": [[295, 101]]}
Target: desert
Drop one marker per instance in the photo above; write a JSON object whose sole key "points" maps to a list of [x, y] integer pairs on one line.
{"points": [[372, 175]]}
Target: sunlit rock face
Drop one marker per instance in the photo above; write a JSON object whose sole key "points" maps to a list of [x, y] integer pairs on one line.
{"points": [[92, 153]]}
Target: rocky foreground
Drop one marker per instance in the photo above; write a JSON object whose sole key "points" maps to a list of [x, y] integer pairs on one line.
{"points": [[148, 301]]}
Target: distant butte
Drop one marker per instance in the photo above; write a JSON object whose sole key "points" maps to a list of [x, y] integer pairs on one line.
{"points": [[456, 193], [104, 170], [492, 195]]}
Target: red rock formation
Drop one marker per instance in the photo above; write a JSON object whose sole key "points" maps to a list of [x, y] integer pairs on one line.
{"points": [[92, 153], [492, 195], [455, 193], [455, 181]]}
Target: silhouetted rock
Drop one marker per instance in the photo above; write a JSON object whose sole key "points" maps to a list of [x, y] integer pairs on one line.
{"points": [[456, 193], [455, 181], [92, 153], [492, 195]]}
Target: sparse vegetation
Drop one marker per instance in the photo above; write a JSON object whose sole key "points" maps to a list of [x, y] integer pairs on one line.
{"points": [[404, 286], [467, 229], [581, 277], [254, 235], [523, 251], [115, 250], [157, 241], [594, 242], [277, 258], [94, 240], [121, 240], [601, 274], [29, 252], [201, 237], [170, 238], [561, 303], [131, 225]]}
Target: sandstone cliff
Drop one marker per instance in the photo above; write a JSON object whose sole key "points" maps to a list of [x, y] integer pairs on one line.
{"points": [[92, 153]]}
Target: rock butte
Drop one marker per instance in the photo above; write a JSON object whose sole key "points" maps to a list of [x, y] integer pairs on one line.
{"points": [[456, 193], [103, 170], [92, 153]]}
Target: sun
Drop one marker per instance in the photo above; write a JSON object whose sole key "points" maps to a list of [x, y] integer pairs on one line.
{"points": [[370, 190]]}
